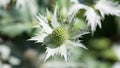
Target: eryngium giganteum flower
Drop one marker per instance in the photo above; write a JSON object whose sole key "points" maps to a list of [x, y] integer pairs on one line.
{"points": [[105, 7], [58, 37]]}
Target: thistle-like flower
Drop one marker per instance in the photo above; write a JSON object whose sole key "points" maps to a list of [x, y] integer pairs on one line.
{"points": [[105, 7], [59, 37]]}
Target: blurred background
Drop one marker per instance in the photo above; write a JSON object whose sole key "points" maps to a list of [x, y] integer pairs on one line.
{"points": [[16, 20]]}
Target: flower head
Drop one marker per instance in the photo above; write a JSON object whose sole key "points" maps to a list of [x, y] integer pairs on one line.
{"points": [[105, 7], [57, 36]]}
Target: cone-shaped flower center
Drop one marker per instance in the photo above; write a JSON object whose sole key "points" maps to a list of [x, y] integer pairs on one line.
{"points": [[59, 36]]}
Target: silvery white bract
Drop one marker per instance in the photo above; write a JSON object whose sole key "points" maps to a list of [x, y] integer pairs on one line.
{"points": [[105, 7], [57, 36], [108, 7], [93, 19]]}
